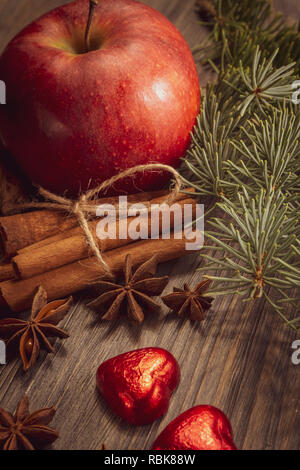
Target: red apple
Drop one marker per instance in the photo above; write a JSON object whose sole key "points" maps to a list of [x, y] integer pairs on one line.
{"points": [[75, 118]]}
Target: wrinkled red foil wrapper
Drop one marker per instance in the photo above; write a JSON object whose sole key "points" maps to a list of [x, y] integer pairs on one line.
{"points": [[138, 385], [203, 427]]}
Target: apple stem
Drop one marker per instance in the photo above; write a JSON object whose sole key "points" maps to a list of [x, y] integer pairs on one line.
{"points": [[93, 4]]}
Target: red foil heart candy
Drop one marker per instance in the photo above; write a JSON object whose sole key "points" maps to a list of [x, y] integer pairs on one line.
{"points": [[203, 427], [138, 385]]}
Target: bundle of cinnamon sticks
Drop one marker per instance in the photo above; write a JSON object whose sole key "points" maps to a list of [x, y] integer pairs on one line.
{"points": [[48, 248]]}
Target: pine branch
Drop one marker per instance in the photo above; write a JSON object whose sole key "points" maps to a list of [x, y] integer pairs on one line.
{"points": [[259, 236], [211, 147], [270, 148], [259, 248], [244, 25], [264, 83], [245, 153]]}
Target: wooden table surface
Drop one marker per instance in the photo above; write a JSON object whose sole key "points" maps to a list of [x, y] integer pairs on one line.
{"points": [[239, 359]]}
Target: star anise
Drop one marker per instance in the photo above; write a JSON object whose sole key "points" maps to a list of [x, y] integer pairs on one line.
{"points": [[33, 334], [25, 430], [134, 296], [191, 303]]}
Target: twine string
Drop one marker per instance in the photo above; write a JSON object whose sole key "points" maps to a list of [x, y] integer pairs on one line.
{"points": [[87, 202]]}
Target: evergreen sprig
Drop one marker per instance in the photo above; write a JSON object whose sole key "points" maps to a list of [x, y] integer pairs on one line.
{"points": [[238, 27], [263, 231], [211, 146], [245, 155], [269, 147], [263, 83]]}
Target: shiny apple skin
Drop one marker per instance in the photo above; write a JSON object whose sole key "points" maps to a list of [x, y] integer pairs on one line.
{"points": [[137, 385], [203, 427], [73, 120]]}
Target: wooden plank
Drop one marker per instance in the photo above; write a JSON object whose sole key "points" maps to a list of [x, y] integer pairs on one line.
{"points": [[239, 359]]}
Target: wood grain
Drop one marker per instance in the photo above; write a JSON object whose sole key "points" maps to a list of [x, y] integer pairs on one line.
{"points": [[239, 359]]}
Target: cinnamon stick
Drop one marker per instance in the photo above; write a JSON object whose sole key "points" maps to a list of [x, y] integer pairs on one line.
{"points": [[20, 230], [17, 231], [48, 241], [63, 281], [74, 246], [6, 271], [76, 230]]}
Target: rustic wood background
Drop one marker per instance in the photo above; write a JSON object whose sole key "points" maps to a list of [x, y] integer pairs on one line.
{"points": [[239, 359]]}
